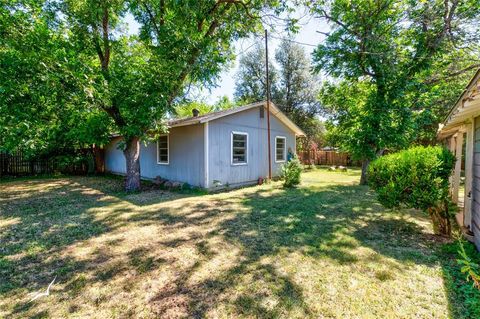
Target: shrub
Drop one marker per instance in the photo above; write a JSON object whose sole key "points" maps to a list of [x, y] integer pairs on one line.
{"points": [[469, 267], [417, 178], [291, 172]]}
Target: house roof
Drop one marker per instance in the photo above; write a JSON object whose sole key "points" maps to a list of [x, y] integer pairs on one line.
{"points": [[466, 107], [274, 110]]}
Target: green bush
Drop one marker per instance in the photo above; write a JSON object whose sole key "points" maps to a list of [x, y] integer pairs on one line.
{"points": [[417, 178], [291, 172]]}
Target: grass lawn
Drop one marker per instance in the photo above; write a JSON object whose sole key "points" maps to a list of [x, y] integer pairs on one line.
{"points": [[326, 249]]}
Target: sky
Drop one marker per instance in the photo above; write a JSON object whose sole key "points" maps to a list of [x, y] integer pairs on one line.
{"points": [[307, 36]]}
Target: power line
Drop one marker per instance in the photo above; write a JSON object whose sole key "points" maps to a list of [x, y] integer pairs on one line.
{"points": [[290, 40], [261, 36], [249, 47]]}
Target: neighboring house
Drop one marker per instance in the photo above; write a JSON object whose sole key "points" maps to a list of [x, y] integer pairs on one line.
{"points": [[463, 124], [228, 147]]}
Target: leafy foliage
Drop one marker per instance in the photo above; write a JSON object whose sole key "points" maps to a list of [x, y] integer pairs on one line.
{"points": [[469, 267], [316, 134], [351, 125], [464, 296], [293, 86], [250, 78], [291, 172], [186, 109], [384, 52], [77, 63], [297, 88], [43, 105], [418, 178]]}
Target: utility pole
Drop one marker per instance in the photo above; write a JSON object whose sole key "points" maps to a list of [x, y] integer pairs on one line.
{"points": [[268, 108]]}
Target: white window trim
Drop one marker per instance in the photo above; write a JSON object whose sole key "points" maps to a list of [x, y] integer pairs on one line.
{"points": [[231, 148], [168, 151], [284, 149]]}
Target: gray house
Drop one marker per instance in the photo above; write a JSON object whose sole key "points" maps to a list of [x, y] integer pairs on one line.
{"points": [[460, 132], [219, 148]]}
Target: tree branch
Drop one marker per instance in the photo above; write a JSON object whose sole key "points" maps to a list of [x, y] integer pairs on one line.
{"points": [[453, 74], [196, 51], [337, 22], [436, 39], [153, 19], [106, 41]]}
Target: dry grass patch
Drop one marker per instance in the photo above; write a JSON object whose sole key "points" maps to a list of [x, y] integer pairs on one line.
{"points": [[324, 250]]}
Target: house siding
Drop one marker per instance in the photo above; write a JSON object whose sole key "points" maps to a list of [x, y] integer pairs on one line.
{"points": [[220, 130], [186, 160], [114, 158], [187, 151], [476, 185]]}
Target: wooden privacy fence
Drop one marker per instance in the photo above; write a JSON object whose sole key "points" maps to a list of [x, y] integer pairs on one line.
{"points": [[331, 158], [17, 164]]}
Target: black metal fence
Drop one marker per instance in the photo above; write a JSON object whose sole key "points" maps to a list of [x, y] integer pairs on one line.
{"points": [[17, 164]]}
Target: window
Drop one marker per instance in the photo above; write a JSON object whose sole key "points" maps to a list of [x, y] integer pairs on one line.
{"points": [[239, 148], [280, 149], [162, 150]]}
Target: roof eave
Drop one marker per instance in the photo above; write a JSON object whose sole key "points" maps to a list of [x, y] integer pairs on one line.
{"points": [[276, 111], [291, 125], [474, 79]]}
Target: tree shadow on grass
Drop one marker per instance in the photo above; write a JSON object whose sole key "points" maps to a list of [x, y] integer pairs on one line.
{"points": [[314, 222], [409, 243], [262, 225], [43, 218], [40, 218], [399, 238]]}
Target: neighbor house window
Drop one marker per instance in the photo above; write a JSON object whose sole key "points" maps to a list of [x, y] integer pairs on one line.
{"points": [[163, 149], [239, 148], [280, 149]]}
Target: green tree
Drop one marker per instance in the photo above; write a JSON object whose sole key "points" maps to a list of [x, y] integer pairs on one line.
{"points": [[379, 50], [317, 135], [250, 79], [42, 106], [297, 88], [133, 79], [179, 43], [438, 88], [223, 103], [186, 109], [294, 88]]}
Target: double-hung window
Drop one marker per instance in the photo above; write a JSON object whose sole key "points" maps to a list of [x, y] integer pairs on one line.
{"points": [[239, 148], [163, 145], [280, 149]]}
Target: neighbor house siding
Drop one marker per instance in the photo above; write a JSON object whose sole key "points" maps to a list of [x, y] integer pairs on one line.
{"points": [[220, 130], [476, 185], [186, 160]]}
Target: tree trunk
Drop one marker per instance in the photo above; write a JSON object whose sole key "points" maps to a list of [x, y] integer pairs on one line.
{"points": [[132, 158], [440, 220], [99, 156], [363, 177]]}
